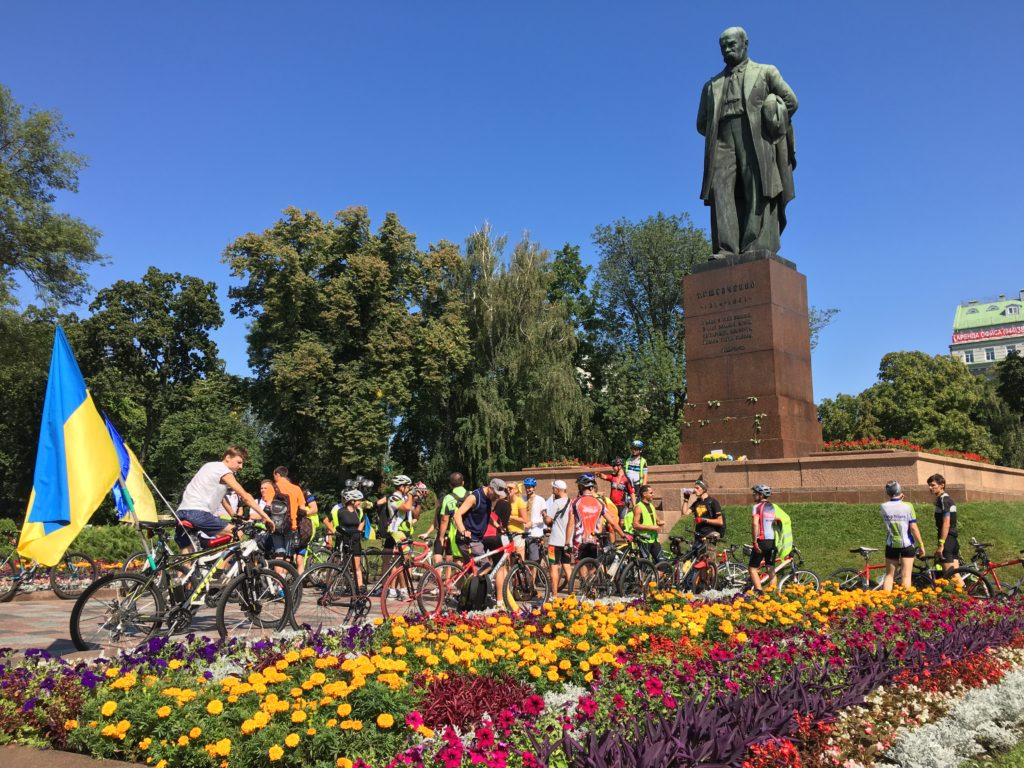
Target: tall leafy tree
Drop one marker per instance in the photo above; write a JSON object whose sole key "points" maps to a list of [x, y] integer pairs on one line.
{"points": [[639, 367], [50, 248], [334, 340], [145, 344]]}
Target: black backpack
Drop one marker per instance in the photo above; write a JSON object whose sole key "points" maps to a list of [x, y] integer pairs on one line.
{"points": [[279, 511], [473, 596]]}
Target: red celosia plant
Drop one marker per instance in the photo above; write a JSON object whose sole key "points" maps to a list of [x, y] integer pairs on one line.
{"points": [[460, 699]]}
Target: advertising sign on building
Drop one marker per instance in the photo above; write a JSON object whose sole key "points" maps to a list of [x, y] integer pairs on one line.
{"points": [[990, 333]]}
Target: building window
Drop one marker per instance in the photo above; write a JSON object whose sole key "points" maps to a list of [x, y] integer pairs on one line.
{"points": [[972, 311], [993, 308], [1011, 349], [990, 353], [1013, 309], [969, 356]]}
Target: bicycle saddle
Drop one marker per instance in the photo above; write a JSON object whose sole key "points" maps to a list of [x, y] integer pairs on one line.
{"points": [[157, 525], [976, 545], [863, 551]]}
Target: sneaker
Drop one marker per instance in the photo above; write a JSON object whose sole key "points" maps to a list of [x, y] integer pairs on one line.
{"points": [[403, 594], [392, 594]]}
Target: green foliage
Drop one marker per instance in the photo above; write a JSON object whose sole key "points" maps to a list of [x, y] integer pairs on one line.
{"points": [[818, 320], [145, 344], [1010, 381], [824, 533], [109, 543], [933, 401], [50, 248], [638, 368]]}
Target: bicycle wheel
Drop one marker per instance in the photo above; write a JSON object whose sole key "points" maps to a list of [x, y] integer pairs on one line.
{"points": [[664, 573], [975, 584], [116, 612], [848, 579], [527, 586], [589, 581], [316, 554], [453, 577], [137, 562], [324, 597], [72, 575], [10, 576], [801, 578], [254, 605], [704, 578], [412, 589], [631, 576], [730, 576]]}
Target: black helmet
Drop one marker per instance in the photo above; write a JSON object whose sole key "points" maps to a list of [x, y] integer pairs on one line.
{"points": [[586, 481]]}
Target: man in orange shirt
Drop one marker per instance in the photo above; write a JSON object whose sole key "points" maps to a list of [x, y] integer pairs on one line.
{"points": [[296, 501]]}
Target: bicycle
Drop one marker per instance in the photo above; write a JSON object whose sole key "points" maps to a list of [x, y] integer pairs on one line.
{"points": [[848, 579], [68, 578], [526, 584], [622, 569], [694, 569], [408, 587], [122, 610], [732, 568], [791, 568], [981, 580]]}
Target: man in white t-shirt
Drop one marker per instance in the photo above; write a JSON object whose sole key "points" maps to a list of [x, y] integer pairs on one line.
{"points": [[204, 497], [536, 508], [561, 521]]}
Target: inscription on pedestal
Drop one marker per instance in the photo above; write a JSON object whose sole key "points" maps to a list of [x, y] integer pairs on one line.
{"points": [[730, 330], [726, 295]]}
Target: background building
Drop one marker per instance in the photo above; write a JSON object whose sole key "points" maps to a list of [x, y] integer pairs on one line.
{"points": [[985, 332]]}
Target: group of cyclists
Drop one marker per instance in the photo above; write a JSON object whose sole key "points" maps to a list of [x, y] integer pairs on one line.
{"points": [[560, 529]]}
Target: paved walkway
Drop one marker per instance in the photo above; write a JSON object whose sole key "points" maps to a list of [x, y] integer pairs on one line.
{"points": [[37, 620], [27, 757]]}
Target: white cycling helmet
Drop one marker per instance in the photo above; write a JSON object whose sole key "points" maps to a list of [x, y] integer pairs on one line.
{"points": [[353, 495], [402, 480]]}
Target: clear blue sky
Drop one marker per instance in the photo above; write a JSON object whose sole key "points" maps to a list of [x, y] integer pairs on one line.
{"points": [[201, 121]]}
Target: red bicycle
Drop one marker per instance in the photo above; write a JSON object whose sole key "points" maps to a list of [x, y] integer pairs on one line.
{"points": [[981, 579]]}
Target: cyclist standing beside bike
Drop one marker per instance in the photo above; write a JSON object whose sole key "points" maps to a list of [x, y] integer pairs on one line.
{"points": [[900, 525], [473, 516], [204, 495], [442, 530], [349, 523], [636, 465], [763, 529], [560, 521], [948, 550], [706, 511], [646, 524], [623, 492], [588, 510], [536, 507]]}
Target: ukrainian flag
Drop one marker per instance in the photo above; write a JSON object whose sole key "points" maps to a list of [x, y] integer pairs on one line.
{"points": [[131, 494], [76, 463]]}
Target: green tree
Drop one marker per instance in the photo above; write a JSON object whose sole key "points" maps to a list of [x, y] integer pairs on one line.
{"points": [[847, 417], [818, 320], [145, 344], [1010, 381], [638, 369], [212, 414], [334, 340], [50, 248]]}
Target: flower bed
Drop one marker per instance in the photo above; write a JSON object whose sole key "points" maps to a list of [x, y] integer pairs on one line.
{"points": [[581, 685], [873, 444]]}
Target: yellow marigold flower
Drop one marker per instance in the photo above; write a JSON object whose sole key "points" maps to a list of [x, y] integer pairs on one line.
{"points": [[291, 740], [108, 708], [311, 731], [385, 720], [741, 637], [70, 725], [351, 725], [113, 672], [298, 716], [535, 671], [144, 744], [331, 723], [183, 740], [174, 664], [163, 711], [195, 733], [161, 764], [344, 762], [215, 706], [425, 732], [344, 710], [565, 664], [275, 753]]}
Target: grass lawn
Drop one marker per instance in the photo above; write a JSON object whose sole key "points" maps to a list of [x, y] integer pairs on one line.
{"points": [[1012, 759], [825, 533]]}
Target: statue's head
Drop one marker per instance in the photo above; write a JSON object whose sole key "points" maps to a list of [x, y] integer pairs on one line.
{"points": [[733, 43]]}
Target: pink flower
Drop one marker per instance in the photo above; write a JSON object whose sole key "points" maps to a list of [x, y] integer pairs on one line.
{"points": [[533, 705], [414, 720], [653, 686]]}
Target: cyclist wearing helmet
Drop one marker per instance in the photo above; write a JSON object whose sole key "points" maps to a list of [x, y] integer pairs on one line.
{"points": [[763, 537], [588, 510], [623, 493], [636, 465], [901, 533], [400, 524], [348, 522], [536, 507]]}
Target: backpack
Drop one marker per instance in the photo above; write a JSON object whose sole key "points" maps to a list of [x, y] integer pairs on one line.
{"points": [[304, 532], [473, 595], [279, 511]]}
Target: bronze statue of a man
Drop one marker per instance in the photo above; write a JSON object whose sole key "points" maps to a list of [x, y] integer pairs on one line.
{"points": [[748, 150]]}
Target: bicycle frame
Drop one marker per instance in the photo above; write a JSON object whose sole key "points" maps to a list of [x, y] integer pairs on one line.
{"points": [[988, 568], [402, 558]]}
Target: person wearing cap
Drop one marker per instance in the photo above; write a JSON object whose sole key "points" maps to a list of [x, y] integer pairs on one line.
{"points": [[474, 514], [901, 533], [622, 493], [636, 465], [706, 511], [561, 524], [536, 507]]}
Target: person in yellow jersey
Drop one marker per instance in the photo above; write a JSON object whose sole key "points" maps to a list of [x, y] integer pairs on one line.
{"points": [[519, 519]]}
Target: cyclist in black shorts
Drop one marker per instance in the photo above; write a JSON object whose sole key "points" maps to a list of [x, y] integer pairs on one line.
{"points": [[948, 550]]}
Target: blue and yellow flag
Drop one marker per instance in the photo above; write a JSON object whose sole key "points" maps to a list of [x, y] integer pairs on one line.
{"points": [[131, 494], [76, 463]]}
